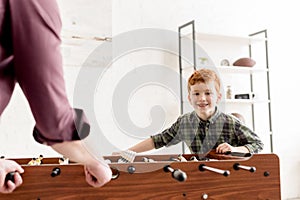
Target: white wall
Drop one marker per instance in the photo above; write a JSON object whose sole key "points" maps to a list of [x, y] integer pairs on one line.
{"points": [[241, 18], [105, 18]]}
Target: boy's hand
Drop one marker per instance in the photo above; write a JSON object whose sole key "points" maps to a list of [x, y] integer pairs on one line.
{"points": [[224, 147]]}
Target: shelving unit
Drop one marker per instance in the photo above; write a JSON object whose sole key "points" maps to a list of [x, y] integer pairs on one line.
{"points": [[208, 50]]}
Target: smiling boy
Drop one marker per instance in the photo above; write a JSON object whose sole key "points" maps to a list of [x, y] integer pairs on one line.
{"points": [[206, 127]]}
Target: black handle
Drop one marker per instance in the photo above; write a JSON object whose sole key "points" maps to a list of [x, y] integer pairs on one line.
{"points": [[10, 177], [55, 172], [176, 173]]}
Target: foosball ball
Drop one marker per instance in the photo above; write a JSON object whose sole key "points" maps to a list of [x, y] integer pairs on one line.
{"points": [[231, 176]]}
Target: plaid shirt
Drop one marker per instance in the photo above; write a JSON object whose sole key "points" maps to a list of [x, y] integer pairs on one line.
{"points": [[202, 136]]}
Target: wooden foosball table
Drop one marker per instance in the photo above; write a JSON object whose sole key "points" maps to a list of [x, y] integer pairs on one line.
{"points": [[215, 176]]}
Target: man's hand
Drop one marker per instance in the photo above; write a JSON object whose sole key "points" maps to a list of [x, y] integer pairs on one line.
{"points": [[97, 174], [7, 166]]}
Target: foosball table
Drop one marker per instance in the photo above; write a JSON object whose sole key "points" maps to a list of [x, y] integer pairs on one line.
{"points": [[212, 176]]}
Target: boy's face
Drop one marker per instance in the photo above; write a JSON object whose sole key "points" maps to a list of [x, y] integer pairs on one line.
{"points": [[204, 98]]}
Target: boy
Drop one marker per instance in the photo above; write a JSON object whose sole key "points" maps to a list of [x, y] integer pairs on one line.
{"points": [[206, 127]]}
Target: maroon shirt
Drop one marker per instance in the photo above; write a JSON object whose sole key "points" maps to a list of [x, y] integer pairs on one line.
{"points": [[30, 56]]}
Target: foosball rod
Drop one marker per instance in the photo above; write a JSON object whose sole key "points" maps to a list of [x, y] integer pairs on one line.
{"points": [[237, 166], [203, 167]]}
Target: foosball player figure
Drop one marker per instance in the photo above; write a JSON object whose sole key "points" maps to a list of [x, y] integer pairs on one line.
{"points": [[36, 161], [63, 161], [39, 160], [32, 162]]}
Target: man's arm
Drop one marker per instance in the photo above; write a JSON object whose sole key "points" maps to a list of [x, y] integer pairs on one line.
{"points": [[97, 171]]}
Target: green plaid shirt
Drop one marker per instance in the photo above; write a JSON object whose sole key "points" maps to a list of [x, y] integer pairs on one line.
{"points": [[202, 136]]}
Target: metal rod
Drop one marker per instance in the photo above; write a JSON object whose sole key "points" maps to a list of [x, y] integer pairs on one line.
{"points": [[268, 83], [180, 64], [237, 166], [203, 167]]}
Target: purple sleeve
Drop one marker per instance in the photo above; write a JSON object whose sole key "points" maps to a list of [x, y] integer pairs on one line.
{"points": [[37, 63]]}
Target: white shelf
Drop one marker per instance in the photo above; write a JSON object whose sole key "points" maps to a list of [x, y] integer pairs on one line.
{"points": [[240, 101], [188, 67], [245, 101], [241, 69], [255, 110], [80, 40], [227, 38], [234, 69]]}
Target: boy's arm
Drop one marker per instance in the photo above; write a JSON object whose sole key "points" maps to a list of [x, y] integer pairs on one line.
{"points": [[166, 138], [224, 147], [249, 140], [241, 149], [254, 143], [143, 146]]}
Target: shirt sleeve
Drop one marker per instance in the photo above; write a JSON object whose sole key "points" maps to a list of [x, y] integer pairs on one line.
{"points": [[38, 68], [168, 137], [81, 130], [249, 139]]}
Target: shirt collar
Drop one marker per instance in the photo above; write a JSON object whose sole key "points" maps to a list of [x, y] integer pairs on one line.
{"points": [[211, 120]]}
